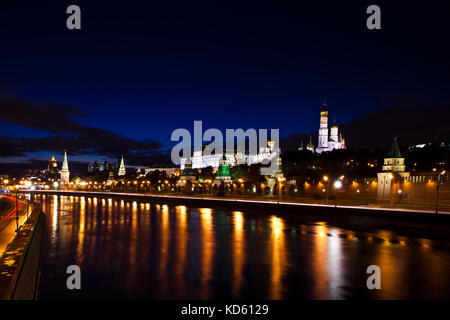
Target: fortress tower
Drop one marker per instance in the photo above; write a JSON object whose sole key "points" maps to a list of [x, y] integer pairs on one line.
{"points": [[65, 173], [394, 171], [121, 168], [223, 173], [188, 174]]}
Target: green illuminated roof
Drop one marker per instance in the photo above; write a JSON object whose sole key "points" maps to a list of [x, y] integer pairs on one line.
{"points": [[224, 169], [394, 152]]}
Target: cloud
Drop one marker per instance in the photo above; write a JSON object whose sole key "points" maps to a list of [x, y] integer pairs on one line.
{"points": [[65, 133]]}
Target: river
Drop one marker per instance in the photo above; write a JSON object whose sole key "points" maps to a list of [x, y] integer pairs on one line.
{"points": [[132, 250]]}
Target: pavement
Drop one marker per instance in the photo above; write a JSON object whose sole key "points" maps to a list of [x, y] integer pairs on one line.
{"points": [[8, 224]]}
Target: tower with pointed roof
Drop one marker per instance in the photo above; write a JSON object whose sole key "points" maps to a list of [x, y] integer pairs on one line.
{"points": [[65, 173], [52, 168], [223, 172], [394, 171], [121, 168], [394, 160]]}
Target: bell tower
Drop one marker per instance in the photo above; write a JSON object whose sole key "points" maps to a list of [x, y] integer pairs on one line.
{"points": [[323, 130]]}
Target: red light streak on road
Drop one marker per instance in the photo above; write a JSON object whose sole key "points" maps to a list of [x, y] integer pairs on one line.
{"points": [[13, 211]]}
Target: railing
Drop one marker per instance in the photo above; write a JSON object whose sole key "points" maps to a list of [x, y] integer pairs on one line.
{"points": [[287, 202]]}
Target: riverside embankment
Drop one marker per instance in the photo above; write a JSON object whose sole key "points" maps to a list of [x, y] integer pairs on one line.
{"points": [[19, 263], [362, 218]]}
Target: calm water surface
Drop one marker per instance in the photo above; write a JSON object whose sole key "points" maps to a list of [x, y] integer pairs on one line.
{"points": [[142, 250]]}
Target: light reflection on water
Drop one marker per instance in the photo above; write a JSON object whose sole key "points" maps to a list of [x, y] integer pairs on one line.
{"points": [[238, 253], [140, 250]]}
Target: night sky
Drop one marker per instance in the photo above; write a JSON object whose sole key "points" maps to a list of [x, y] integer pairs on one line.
{"points": [[138, 70]]}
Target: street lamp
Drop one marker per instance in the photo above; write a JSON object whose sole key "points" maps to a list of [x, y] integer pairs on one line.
{"points": [[17, 209], [438, 182], [337, 184], [325, 178]]}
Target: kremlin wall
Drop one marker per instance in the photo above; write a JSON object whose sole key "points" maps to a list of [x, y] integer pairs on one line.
{"points": [[360, 192]]}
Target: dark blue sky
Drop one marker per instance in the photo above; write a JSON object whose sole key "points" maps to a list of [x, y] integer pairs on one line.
{"points": [[143, 69]]}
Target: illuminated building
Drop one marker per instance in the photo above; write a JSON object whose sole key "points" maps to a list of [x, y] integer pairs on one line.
{"points": [[168, 170], [279, 175], [335, 141], [233, 159], [65, 173], [310, 145], [188, 174], [52, 166], [111, 179], [394, 166], [121, 168], [223, 172], [96, 167]]}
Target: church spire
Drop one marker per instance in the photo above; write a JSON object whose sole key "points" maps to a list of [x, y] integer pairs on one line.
{"points": [[324, 105], [65, 165], [65, 173], [121, 168]]}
